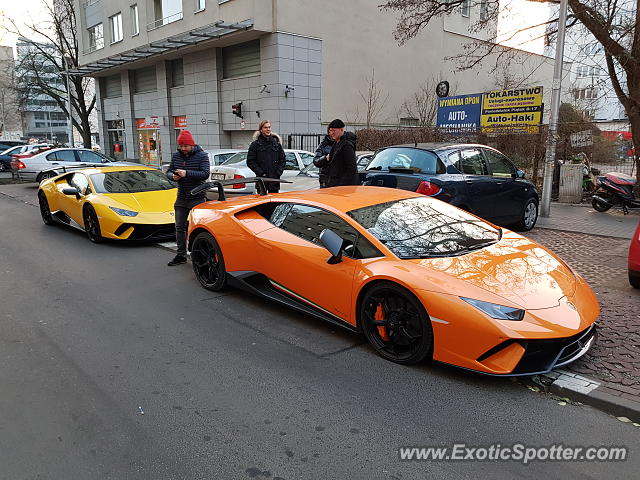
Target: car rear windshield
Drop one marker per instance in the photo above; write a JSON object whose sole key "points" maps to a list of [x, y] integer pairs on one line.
{"points": [[424, 228], [235, 159], [406, 158], [131, 181]]}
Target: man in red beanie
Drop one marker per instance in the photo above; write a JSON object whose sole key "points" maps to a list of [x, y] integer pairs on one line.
{"points": [[190, 168]]}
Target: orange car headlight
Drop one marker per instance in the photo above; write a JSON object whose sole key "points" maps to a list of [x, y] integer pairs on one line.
{"points": [[499, 312]]}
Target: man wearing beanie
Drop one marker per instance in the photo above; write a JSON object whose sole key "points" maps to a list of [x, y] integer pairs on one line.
{"points": [[340, 164], [190, 168]]}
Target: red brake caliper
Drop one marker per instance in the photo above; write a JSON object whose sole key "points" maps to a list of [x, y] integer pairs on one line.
{"points": [[378, 317]]}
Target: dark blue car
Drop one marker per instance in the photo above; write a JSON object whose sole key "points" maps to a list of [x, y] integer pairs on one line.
{"points": [[474, 177]]}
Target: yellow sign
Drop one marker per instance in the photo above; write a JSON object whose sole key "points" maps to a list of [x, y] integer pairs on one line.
{"points": [[517, 109]]}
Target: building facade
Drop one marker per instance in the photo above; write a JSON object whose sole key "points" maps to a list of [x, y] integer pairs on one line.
{"points": [[10, 116], [42, 117], [220, 67], [589, 88]]}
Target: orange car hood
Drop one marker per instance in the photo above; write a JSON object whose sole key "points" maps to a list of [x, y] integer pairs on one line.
{"points": [[515, 268]]}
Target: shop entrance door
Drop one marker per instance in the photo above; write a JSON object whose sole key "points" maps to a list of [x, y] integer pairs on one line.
{"points": [[149, 147]]}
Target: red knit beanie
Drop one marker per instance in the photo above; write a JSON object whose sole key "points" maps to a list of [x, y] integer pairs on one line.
{"points": [[185, 138]]}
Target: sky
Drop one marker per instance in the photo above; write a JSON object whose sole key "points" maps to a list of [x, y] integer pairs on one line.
{"points": [[21, 11]]}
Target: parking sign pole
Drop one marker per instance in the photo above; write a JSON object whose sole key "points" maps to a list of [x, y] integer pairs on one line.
{"points": [[550, 157]]}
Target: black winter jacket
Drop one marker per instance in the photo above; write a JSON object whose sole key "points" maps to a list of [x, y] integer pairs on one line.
{"points": [[197, 166], [266, 158], [342, 169], [320, 160]]}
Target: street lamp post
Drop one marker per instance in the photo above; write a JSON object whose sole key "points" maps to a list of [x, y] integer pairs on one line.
{"points": [[70, 120], [550, 157]]}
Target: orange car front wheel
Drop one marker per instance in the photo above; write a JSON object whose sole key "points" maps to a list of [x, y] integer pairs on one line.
{"points": [[396, 324], [208, 262]]}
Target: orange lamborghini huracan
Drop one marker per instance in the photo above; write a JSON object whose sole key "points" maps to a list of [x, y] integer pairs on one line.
{"points": [[420, 279]]}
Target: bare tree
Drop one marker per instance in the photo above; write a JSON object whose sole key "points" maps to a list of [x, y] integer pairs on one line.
{"points": [[613, 23], [373, 98], [423, 104], [45, 64]]}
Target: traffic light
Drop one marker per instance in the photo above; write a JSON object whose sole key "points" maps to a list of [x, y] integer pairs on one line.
{"points": [[236, 109]]}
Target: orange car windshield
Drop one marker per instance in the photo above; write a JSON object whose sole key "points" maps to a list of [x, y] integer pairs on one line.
{"points": [[424, 227]]}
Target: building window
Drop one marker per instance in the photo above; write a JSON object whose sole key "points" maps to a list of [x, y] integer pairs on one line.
{"points": [[135, 23], [591, 49], [116, 27], [164, 12], [464, 8], [242, 59], [177, 73], [39, 116], [200, 5], [484, 9], [588, 71], [144, 80], [589, 93], [112, 87], [96, 38]]}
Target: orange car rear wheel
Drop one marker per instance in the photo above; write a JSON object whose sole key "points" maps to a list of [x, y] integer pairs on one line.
{"points": [[396, 324], [208, 262]]}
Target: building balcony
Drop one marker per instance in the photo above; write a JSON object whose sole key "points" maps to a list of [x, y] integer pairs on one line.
{"points": [[164, 21]]}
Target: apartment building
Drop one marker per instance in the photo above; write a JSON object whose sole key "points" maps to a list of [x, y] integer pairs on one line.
{"points": [[42, 117], [219, 67], [10, 117], [589, 88]]}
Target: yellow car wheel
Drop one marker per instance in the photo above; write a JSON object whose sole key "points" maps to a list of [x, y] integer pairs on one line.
{"points": [[92, 224]]}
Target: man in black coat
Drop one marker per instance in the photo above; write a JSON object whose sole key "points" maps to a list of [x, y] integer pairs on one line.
{"points": [[190, 168], [341, 162], [319, 160], [266, 155]]}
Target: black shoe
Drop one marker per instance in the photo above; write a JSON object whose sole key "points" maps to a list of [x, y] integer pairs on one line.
{"points": [[177, 260]]}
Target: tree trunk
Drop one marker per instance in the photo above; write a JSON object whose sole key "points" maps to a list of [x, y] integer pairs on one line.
{"points": [[635, 134]]}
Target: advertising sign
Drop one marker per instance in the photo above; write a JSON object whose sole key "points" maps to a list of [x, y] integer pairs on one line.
{"points": [[148, 123], [581, 139], [513, 110], [180, 122], [459, 113]]}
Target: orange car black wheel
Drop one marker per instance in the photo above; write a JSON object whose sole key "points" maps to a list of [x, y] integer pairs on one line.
{"points": [[396, 324], [208, 262]]}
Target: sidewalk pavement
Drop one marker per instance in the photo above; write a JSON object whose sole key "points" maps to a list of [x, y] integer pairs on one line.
{"points": [[596, 245]]}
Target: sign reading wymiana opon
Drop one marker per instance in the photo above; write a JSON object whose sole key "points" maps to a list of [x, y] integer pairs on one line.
{"points": [[459, 113], [513, 110]]}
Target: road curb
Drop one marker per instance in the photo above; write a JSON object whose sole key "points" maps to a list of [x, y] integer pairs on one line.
{"points": [[618, 400]]}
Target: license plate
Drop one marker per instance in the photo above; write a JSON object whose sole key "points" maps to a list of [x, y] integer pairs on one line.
{"points": [[217, 176]]}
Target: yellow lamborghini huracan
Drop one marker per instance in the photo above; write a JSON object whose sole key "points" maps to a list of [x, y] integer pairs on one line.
{"points": [[124, 203]]}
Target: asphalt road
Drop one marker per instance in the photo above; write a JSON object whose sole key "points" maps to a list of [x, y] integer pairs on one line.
{"points": [[231, 387]]}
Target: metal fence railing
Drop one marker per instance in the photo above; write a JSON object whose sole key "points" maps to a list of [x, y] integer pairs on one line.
{"points": [[303, 141]]}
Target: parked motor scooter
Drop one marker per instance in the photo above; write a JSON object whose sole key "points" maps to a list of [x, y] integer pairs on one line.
{"points": [[615, 189]]}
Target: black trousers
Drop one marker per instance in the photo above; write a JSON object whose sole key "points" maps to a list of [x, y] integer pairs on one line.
{"points": [[182, 209]]}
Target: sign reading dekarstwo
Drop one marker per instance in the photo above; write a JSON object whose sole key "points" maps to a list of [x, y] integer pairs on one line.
{"points": [[514, 110]]}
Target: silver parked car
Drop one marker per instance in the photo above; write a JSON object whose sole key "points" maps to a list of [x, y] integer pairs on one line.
{"points": [[53, 162], [236, 168]]}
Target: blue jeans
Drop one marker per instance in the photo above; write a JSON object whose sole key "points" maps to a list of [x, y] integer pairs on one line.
{"points": [[182, 209]]}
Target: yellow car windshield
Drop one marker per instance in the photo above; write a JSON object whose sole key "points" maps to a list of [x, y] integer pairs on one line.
{"points": [[131, 181]]}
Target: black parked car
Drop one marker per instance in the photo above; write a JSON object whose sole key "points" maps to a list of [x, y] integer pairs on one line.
{"points": [[474, 177]]}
